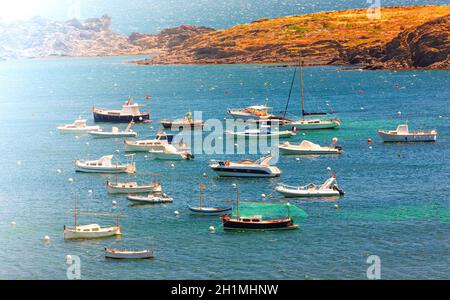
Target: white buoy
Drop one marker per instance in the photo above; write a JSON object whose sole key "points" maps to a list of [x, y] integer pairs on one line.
{"points": [[13, 223], [46, 238], [236, 145], [172, 165], [177, 213], [336, 206], [118, 151], [69, 258], [234, 185], [263, 196], [335, 140], [77, 137], [304, 134], [114, 203], [71, 180], [362, 108], [370, 147], [440, 117], [399, 113], [297, 159], [90, 192], [87, 143], [59, 171], [19, 163], [212, 229], [205, 175], [140, 119], [329, 169]]}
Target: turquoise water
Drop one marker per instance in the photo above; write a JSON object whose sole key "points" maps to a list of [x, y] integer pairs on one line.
{"points": [[397, 196]]}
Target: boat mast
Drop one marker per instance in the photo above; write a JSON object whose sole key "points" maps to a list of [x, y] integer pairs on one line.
{"points": [[75, 214], [200, 194], [117, 172], [237, 202], [301, 88]]}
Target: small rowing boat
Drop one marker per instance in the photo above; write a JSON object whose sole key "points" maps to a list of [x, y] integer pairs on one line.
{"points": [[79, 126], [127, 254], [132, 188], [208, 211], [308, 148], [403, 135], [150, 199]]}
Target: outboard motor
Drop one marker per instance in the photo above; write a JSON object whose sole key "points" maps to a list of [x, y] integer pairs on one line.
{"points": [[341, 192]]}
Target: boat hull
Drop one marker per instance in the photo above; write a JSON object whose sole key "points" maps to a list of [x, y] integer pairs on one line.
{"points": [[209, 211], [70, 234], [136, 190], [110, 254], [176, 126], [109, 135], [287, 134], [310, 126], [290, 151], [78, 130], [288, 193], [145, 200], [235, 172], [109, 118], [232, 224], [407, 138], [109, 170]]}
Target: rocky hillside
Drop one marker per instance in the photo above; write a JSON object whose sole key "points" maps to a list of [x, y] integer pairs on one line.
{"points": [[405, 37]]}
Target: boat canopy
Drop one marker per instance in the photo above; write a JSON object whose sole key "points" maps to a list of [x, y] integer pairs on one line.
{"points": [[260, 107], [270, 210], [106, 160], [328, 184], [402, 129], [80, 123], [309, 145], [265, 160]]}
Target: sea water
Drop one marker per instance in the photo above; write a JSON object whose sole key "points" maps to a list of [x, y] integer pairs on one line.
{"points": [[397, 196]]}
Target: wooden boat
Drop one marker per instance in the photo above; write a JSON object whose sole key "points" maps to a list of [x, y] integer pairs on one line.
{"points": [[308, 148], [79, 126], [327, 190], [184, 123], [263, 132], [129, 112], [127, 254], [171, 153], [132, 188], [92, 231], [104, 165], [403, 135], [162, 139], [251, 112], [306, 122], [208, 211], [150, 199], [258, 223], [114, 133], [246, 168]]}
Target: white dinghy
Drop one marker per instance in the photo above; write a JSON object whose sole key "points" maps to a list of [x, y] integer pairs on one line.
{"points": [[308, 148], [132, 188], [79, 126], [403, 135], [127, 254], [327, 190], [114, 133], [170, 152], [104, 165], [150, 199]]}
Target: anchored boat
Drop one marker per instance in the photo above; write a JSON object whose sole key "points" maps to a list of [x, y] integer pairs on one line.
{"points": [[329, 189], [184, 123], [114, 133], [104, 165], [79, 126], [92, 231], [127, 254], [150, 199], [170, 152], [129, 112], [403, 135], [246, 168], [207, 211], [262, 132], [162, 139], [251, 112], [308, 148], [132, 188]]}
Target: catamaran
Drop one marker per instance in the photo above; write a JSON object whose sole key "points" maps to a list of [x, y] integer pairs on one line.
{"points": [[129, 112], [403, 135], [307, 123]]}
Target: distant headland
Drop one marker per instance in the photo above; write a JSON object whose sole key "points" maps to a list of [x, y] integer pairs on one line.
{"points": [[413, 37]]}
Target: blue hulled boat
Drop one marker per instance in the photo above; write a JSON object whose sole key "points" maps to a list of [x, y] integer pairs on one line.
{"points": [[129, 113]]}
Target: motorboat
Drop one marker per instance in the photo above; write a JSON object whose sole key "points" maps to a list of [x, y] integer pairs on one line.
{"points": [[150, 199], [187, 122], [202, 210], [132, 188], [328, 189], [129, 112], [308, 148], [262, 132], [170, 152], [79, 126], [114, 133], [251, 112], [246, 168], [92, 231], [162, 139], [128, 254], [104, 165], [403, 135]]}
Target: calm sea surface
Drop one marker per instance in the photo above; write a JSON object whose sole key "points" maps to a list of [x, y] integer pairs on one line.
{"points": [[397, 196]]}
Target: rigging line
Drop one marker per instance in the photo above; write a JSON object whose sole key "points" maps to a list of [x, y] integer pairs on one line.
{"points": [[290, 93]]}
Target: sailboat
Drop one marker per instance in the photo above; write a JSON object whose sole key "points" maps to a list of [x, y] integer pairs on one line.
{"points": [[306, 123], [92, 231], [208, 211]]}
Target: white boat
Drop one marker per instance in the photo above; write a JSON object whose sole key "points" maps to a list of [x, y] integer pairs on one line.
{"points": [[306, 122], [170, 152], [403, 135], [262, 132], [251, 112], [79, 126], [150, 199], [246, 168], [132, 188], [307, 148], [92, 231], [114, 133], [104, 165], [162, 139], [127, 254], [329, 189]]}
